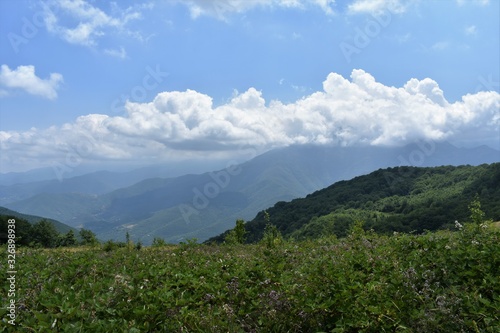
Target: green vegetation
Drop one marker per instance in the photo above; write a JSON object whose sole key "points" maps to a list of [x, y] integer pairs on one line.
{"points": [[366, 282], [60, 227], [314, 266], [236, 235], [403, 199], [44, 234]]}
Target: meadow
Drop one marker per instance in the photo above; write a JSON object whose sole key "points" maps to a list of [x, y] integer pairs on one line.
{"points": [[444, 281]]}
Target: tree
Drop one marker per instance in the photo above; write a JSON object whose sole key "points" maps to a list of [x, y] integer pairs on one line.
{"points": [[45, 234], [22, 229], [158, 242], [272, 236], [236, 235], [88, 237], [129, 242], [68, 240], [240, 231]]}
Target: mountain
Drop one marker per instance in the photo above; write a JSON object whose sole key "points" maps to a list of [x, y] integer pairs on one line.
{"points": [[203, 205], [19, 186], [402, 199], [60, 227]]}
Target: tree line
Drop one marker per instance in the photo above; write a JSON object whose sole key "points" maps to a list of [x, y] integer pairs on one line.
{"points": [[44, 234]]}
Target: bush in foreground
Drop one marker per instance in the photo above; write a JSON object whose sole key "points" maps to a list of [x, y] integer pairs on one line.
{"points": [[445, 281]]}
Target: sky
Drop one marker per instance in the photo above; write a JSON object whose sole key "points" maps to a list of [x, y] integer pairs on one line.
{"points": [[138, 82]]}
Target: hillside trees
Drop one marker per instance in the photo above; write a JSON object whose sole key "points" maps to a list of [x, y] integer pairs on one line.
{"points": [[23, 230], [44, 234], [401, 199], [88, 237], [236, 235]]}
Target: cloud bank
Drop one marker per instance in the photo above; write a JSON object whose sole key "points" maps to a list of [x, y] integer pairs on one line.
{"points": [[359, 111]]}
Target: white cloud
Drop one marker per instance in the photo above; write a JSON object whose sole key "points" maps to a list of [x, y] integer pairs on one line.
{"points": [[24, 77], [118, 53], [440, 46], [360, 111], [377, 7], [79, 22], [470, 30], [221, 8], [476, 2]]}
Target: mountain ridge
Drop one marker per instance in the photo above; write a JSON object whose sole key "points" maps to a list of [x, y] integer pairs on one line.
{"points": [[203, 205], [393, 199]]}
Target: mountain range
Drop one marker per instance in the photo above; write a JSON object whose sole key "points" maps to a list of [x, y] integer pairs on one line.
{"points": [[201, 205]]}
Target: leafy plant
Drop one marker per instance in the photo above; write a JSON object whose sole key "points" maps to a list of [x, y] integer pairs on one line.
{"points": [[443, 281]]}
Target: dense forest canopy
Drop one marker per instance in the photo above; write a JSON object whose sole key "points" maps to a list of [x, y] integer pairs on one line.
{"points": [[401, 199]]}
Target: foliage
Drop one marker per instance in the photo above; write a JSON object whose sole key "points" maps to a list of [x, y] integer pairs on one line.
{"points": [[403, 199], [236, 235], [365, 282], [24, 231], [272, 236], [67, 240], [158, 242], [45, 234], [32, 219], [88, 237], [111, 245]]}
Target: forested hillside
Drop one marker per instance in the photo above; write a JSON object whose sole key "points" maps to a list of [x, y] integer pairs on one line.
{"points": [[403, 199], [203, 205]]}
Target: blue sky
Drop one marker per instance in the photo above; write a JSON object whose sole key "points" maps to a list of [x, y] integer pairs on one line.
{"points": [[98, 81]]}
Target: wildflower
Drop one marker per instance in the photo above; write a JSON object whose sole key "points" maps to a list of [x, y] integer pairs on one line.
{"points": [[447, 247], [458, 225], [228, 309], [475, 242]]}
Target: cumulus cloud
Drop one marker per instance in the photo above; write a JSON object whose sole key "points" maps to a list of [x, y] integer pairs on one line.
{"points": [[79, 22], [24, 77], [355, 111]]}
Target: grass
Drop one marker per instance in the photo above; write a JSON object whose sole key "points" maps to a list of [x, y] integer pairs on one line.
{"points": [[443, 281]]}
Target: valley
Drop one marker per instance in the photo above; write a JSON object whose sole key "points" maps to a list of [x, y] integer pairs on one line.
{"points": [[203, 205]]}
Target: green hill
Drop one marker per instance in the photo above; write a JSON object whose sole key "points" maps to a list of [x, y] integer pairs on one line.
{"points": [[60, 227], [203, 205], [403, 199]]}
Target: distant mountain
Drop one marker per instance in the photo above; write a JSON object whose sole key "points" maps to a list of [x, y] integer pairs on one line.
{"points": [[19, 186], [401, 199], [203, 205], [60, 227]]}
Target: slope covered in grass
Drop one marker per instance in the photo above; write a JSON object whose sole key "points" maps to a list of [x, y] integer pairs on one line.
{"points": [[436, 282]]}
